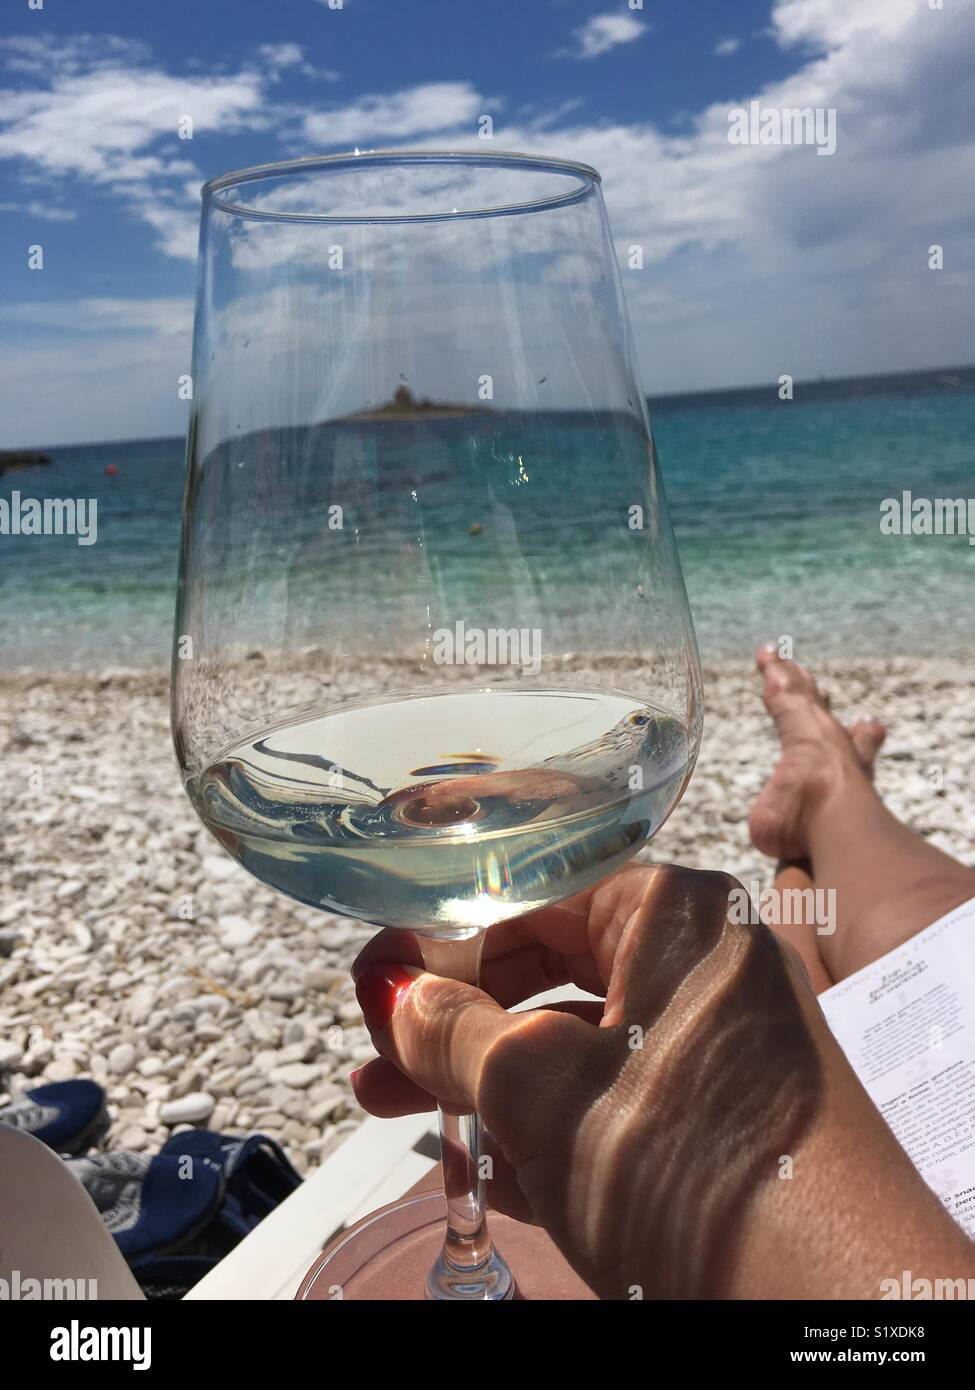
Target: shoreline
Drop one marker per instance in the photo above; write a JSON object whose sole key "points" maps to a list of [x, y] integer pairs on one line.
{"points": [[133, 950], [155, 679]]}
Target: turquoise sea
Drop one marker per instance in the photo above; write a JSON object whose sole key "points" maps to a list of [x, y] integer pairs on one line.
{"points": [[776, 507]]}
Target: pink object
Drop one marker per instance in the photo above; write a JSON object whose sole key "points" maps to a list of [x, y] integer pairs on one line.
{"points": [[387, 1255]]}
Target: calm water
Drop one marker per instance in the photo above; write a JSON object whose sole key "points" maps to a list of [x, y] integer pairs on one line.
{"points": [[776, 507]]}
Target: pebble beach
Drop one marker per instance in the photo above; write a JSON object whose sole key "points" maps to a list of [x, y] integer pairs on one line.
{"points": [[135, 952]]}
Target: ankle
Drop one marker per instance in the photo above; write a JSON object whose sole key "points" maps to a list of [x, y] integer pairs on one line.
{"points": [[840, 792]]}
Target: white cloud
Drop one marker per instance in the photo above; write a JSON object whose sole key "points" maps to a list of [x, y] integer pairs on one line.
{"points": [[725, 47], [177, 226], [49, 212], [281, 55], [98, 112], [280, 58], [87, 123], [168, 317], [397, 115], [603, 32], [832, 24], [47, 55]]}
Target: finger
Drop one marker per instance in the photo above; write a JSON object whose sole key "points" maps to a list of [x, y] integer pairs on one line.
{"points": [[513, 966], [561, 927], [628, 937], [530, 970], [383, 1090], [660, 926], [442, 1032], [524, 1073], [589, 1010], [390, 944], [579, 927], [511, 978], [434, 1030], [562, 932], [522, 957], [596, 930]]}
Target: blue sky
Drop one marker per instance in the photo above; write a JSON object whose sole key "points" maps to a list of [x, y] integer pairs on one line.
{"points": [[757, 260]]}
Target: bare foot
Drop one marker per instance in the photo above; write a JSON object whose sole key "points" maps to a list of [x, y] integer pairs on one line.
{"points": [[817, 754]]}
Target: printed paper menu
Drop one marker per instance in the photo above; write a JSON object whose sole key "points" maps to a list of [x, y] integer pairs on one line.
{"points": [[907, 1025]]}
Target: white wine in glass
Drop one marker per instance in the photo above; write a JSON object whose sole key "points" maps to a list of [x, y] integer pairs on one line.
{"points": [[380, 812]]}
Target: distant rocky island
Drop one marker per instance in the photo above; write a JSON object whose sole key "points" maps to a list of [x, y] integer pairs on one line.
{"points": [[405, 406], [12, 459]]}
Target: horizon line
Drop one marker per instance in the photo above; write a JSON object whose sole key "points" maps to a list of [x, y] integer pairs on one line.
{"points": [[649, 397]]}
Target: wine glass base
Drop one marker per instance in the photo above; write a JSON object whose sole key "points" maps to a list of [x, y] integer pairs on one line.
{"points": [[489, 1282], [390, 1254]]}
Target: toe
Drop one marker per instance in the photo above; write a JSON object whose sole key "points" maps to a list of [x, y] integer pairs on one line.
{"points": [[783, 679], [786, 677], [867, 736]]}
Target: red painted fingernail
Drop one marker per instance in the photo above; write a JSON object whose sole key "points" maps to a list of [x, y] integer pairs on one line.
{"points": [[377, 989]]}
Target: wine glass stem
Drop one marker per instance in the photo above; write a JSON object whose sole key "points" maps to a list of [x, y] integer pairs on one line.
{"points": [[467, 1243], [469, 1267]]}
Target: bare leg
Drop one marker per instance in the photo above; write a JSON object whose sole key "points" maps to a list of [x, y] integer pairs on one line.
{"points": [[796, 877], [821, 805]]}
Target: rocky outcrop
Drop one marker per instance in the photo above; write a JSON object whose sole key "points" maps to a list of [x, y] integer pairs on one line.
{"points": [[12, 459]]}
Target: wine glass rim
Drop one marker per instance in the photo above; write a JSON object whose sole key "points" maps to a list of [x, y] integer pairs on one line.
{"points": [[587, 179]]}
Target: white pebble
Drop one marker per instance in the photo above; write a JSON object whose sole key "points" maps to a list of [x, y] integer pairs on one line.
{"points": [[61, 1069], [83, 936], [69, 890], [217, 866], [191, 1109], [324, 1108], [285, 991], [297, 1075], [122, 1058], [236, 933]]}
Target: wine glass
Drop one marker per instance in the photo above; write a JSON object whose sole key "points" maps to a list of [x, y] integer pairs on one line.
{"points": [[433, 665]]}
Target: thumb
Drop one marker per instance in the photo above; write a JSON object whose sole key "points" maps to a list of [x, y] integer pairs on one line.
{"points": [[437, 1031], [448, 1036]]}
